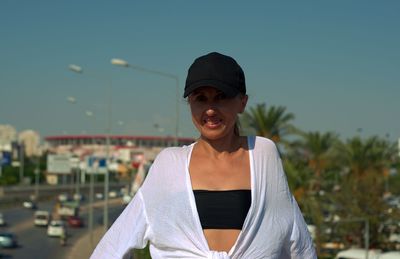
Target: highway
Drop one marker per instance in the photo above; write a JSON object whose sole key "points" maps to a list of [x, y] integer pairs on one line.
{"points": [[34, 242]]}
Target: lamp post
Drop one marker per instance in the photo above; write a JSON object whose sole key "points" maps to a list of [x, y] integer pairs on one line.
{"points": [[79, 70], [37, 172], [21, 161], [366, 231], [123, 63]]}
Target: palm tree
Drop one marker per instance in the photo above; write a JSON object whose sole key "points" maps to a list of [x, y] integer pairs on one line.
{"points": [[362, 188], [364, 156], [315, 154], [272, 122], [319, 151]]}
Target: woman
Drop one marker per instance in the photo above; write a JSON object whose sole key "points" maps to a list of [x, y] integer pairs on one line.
{"points": [[224, 196]]}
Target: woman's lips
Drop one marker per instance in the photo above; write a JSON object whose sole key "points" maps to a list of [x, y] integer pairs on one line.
{"points": [[212, 123]]}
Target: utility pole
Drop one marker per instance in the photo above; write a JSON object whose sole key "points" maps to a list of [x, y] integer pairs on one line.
{"points": [[37, 172], [21, 162], [91, 192], [366, 231]]}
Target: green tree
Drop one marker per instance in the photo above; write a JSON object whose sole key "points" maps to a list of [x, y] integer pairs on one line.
{"points": [[273, 122], [319, 152], [310, 158], [362, 185]]}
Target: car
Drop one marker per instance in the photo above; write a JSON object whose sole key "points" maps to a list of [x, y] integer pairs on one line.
{"points": [[126, 199], [78, 197], [63, 197], [390, 255], [29, 205], [2, 220], [75, 221], [393, 201], [112, 194], [41, 218], [8, 240], [312, 229], [358, 253], [99, 196], [56, 228]]}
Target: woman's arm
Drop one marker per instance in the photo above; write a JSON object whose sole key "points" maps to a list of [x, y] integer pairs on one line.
{"points": [[301, 244], [130, 230]]}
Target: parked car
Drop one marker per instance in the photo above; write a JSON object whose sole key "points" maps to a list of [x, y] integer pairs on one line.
{"points": [[2, 220], [75, 221], [41, 218], [63, 197], [358, 253], [56, 228], [99, 196], [390, 255], [78, 197], [112, 194], [8, 240], [29, 205], [126, 199]]}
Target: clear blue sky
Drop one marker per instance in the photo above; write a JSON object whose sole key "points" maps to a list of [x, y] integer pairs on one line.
{"points": [[334, 64]]}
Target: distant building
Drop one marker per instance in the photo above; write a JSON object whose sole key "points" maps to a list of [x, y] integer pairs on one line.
{"points": [[8, 135], [125, 153], [31, 141]]}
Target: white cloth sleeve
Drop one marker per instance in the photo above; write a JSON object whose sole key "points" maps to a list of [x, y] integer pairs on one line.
{"points": [[130, 230], [301, 244]]}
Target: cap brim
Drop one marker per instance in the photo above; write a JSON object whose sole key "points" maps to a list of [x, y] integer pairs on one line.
{"points": [[228, 90]]}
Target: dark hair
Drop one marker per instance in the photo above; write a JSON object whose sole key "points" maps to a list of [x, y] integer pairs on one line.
{"points": [[236, 127]]}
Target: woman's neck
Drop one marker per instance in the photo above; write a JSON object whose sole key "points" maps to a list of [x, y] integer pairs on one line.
{"points": [[227, 145]]}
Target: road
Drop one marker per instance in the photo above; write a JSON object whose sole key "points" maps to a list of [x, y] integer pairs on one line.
{"points": [[34, 242]]}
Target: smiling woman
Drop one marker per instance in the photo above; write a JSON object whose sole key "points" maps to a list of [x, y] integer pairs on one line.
{"points": [[224, 196], [214, 114]]}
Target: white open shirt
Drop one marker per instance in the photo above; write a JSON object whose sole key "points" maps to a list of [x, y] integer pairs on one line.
{"points": [[163, 212]]}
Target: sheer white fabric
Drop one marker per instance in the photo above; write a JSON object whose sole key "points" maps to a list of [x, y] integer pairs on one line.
{"points": [[164, 213]]}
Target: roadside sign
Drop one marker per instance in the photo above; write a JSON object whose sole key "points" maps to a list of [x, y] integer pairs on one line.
{"points": [[5, 158], [96, 165], [59, 164]]}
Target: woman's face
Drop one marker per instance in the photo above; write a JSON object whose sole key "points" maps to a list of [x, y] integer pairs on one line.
{"points": [[214, 114]]}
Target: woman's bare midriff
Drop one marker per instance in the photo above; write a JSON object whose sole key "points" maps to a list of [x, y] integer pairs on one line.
{"points": [[221, 239]]}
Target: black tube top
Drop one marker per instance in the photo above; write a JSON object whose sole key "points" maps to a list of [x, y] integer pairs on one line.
{"points": [[222, 209]]}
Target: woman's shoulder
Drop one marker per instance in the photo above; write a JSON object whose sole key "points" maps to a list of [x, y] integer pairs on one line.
{"points": [[170, 152], [258, 142], [172, 155]]}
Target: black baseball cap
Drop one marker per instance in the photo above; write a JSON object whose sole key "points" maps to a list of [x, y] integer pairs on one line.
{"points": [[216, 70]]}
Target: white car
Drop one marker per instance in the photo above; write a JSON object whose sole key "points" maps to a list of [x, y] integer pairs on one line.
{"points": [[29, 205], [312, 229], [77, 197], [358, 253], [56, 228], [390, 255], [41, 218], [63, 197], [126, 198], [112, 194]]}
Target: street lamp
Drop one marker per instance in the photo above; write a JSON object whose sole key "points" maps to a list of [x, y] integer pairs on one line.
{"points": [[37, 172], [79, 70], [366, 231], [124, 63]]}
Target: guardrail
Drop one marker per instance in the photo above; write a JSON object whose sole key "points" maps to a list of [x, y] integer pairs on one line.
{"points": [[9, 194]]}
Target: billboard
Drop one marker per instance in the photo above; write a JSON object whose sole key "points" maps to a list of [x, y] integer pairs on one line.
{"points": [[96, 165], [5, 158], [59, 164]]}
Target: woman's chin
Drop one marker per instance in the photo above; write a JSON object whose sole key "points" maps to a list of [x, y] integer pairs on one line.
{"points": [[214, 134]]}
